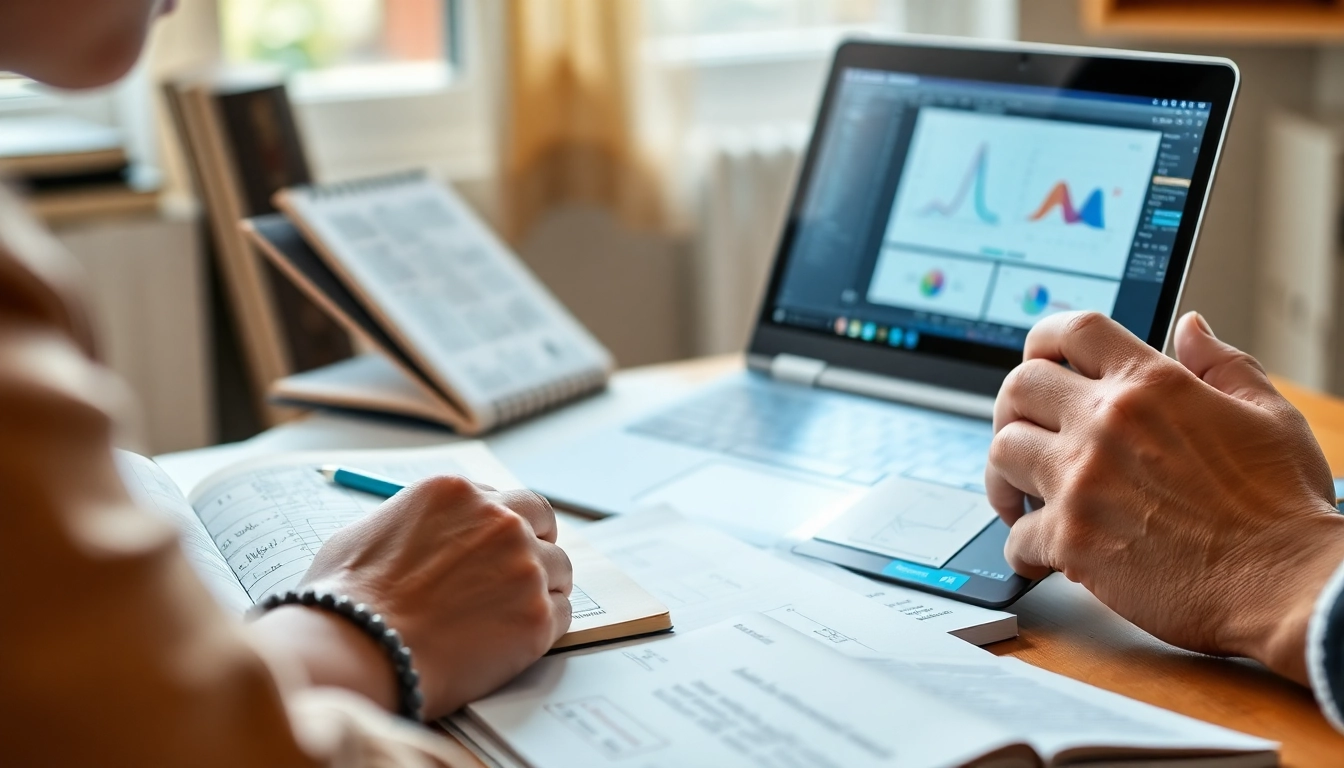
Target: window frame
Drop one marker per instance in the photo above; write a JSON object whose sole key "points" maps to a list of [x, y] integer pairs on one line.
{"points": [[440, 115]]}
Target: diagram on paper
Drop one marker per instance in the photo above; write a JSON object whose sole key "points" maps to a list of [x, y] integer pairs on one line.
{"points": [[606, 727], [911, 520], [580, 604], [806, 625]]}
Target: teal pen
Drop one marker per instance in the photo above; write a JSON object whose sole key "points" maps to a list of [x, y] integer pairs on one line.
{"points": [[360, 481]]}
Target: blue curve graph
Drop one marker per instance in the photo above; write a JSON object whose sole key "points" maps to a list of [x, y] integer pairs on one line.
{"points": [[974, 180]]}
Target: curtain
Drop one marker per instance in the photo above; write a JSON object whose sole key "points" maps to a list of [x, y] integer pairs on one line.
{"points": [[568, 112]]}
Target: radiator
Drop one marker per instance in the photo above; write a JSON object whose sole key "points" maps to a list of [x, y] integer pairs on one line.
{"points": [[745, 180]]}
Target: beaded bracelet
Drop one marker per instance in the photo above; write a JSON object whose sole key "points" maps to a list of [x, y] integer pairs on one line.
{"points": [[410, 700]]}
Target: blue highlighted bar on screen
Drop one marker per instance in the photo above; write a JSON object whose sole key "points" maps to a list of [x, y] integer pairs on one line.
{"points": [[1164, 218], [933, 577]]}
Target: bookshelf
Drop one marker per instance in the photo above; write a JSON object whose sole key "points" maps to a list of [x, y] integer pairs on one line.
{"points": [[1266, 21]]}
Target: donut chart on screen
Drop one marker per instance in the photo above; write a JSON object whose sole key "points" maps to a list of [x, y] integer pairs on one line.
{"points": [[1035, 300], [932, 283]]}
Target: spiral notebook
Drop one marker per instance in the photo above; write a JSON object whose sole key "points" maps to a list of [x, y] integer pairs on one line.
{"points": [[467, 335]]}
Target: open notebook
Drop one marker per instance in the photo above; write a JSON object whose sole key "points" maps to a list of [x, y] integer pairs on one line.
{"points": [[252, 529], [467, 335]]}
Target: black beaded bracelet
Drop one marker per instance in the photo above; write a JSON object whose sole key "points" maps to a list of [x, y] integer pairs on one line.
{"points": [[410, 701]]}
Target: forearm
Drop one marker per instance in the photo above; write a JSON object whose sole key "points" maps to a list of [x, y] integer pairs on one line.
{"points": [[329, 650]]}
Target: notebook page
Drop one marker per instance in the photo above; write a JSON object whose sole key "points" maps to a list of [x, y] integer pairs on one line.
{"points": [[474, 317], [154, 491], [269, 517]]}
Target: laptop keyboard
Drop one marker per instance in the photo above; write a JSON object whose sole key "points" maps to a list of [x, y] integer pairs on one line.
{"points": [[834, 435]]}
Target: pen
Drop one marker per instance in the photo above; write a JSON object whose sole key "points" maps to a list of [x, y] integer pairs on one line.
{"points": [[360, 481]]}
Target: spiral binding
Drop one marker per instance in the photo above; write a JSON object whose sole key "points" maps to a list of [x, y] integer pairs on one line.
{"points": [[547, 396], [363, 185]]}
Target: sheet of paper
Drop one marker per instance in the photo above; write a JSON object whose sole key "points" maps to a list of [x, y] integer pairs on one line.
{"points": [[911, 520], [1056, 714], [705, 576], [155, 492], [481, 744], [456, 293], [268, 517], [746, 692], [968, 622]]}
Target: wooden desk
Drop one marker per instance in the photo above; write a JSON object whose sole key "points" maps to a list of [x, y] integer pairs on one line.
{"points": [[1066, 630]]}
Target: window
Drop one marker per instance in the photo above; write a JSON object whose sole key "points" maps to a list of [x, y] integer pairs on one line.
{"points": [[726, 31], [413, 73], [709, 31], [697, 17], [346, 48], [742, 63]]}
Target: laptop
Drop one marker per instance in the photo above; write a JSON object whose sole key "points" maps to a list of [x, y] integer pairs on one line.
{"points": [[952, 196]]}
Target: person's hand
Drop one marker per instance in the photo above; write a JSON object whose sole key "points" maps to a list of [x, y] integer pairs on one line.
{"points": [[1190, 497], [470, 577]]}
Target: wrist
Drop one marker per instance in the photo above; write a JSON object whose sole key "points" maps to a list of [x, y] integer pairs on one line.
{"points": [[332, 651], [1280, 639]]}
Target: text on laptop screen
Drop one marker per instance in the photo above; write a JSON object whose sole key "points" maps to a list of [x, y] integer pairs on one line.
{"points": [[946, 213]]}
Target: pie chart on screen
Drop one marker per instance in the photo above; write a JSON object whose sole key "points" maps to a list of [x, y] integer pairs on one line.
{"points": [[932, 283], [1036, 299]]}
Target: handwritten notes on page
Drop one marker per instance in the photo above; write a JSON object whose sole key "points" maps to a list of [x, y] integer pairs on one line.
{"points": [[151, 487], [269, 517]]}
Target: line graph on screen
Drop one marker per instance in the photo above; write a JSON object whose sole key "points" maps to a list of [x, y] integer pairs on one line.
{"points": [[1023, 190], [1092, 213], [972, 185]]}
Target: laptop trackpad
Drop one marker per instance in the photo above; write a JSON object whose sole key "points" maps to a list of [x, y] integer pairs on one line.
{"points": [[759, 507]]}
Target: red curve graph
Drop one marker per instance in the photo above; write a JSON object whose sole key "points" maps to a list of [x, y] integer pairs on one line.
{"points": [[1091, 214]]}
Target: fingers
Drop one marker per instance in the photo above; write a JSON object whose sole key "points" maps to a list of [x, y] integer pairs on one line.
{"points": [[1008, 502], [1029, 546], [1040, 391], [1026, 458], [1090, 342], [562, 616], [1219, 364], [559, 570], [535, 509]]}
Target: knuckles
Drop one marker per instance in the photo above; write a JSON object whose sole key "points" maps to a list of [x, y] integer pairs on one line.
{"points": [[1137, 399], [1025, 377], [448, 489], [538, 610], [504, 526], [1003, 447], [1085, 322]]}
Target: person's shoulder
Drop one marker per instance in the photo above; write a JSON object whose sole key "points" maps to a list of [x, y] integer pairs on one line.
{"points": [[39, 281]]}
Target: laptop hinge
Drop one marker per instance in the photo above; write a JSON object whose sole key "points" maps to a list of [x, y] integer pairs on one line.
{"points": [[797, 370]]}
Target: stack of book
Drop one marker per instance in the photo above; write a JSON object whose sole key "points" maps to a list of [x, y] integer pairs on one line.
{"points": [[238, 131], [73, 168]]}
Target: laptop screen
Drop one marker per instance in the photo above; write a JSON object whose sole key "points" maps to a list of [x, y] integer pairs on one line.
{"points": [[950, 216]]}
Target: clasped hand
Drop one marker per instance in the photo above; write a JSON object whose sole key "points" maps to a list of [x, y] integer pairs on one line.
{"points": [[471, 577], [1188, 496]]}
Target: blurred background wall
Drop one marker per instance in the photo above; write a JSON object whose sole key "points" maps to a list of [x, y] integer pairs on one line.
{"points": [[639, 155]]}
